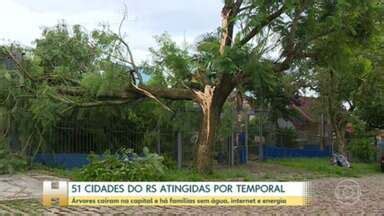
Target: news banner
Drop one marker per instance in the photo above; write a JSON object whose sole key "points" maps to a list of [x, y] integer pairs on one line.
{"points": [[64, 193]]}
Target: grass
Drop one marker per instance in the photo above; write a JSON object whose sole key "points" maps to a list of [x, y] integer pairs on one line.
{"points": [[274, 170], [225, 174], [56, 171], [322, 167]]}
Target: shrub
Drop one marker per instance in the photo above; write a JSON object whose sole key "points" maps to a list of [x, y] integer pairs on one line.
{"points": [[287, 137], [362, 149], [169, 162], [123, 166], [10, 162]]}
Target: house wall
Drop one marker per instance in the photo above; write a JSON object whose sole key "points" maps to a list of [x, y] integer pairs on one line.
{"points": [[309, 135]]}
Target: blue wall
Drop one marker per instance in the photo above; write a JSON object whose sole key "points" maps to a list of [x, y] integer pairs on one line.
{"points": [[73, 160], [69, 161], [279, 152]]}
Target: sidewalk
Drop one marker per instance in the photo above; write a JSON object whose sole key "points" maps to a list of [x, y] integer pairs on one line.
{"points": [[22, 186]]}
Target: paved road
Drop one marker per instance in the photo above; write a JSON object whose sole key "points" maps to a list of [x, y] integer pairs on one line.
{"points": [[330, 196]]}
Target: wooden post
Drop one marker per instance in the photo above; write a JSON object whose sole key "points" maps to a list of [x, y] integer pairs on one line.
{"points": [[179, 150]]}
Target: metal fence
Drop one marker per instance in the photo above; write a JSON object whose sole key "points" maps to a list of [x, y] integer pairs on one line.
{"points": [[273, 145], [69, 143], [86, 137]]}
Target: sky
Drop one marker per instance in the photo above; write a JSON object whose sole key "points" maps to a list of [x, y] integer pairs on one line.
{"points": [[23, 20]]}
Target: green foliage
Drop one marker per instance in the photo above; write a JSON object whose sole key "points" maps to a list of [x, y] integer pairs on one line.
{"points": [[64, 49], [128, 166], [362, 149], [182, 175], [227, 121], [123, 166], [287, 137], [111, 81], [360, 127], [371, 109], [10, 162], [43, 109], [171, 61], [169, 162], [333, 34], [65, 57]]}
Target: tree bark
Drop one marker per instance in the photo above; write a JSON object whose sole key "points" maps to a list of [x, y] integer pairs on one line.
{"points": [[213, 98], [207, 133], [211, 102], [338, 128], [336, 122], [340, 140]]}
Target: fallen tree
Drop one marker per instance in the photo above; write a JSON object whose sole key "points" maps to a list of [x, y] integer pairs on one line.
{"points": [[256, 39]]}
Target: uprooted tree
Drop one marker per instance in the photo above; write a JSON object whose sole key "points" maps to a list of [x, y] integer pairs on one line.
{"points": [[258, 41]]}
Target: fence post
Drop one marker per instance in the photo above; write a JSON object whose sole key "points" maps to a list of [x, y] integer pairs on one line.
{"points": [[322, 133], [261, 153], [262, 140], [246, 138], [179, 150], [232, 149]]}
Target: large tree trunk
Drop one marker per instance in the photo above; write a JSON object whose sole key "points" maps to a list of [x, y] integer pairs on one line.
{"points": [[334, 117], [340, 140], [211, 102], [207, 137], [338, 128], [212, 99]]}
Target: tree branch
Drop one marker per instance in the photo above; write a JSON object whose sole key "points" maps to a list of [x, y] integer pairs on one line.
{"points": [[108, 103], [291, 50], [128, 48], [171, 93], [261, 25], [132, 94], [19, 66], [228, 13]]}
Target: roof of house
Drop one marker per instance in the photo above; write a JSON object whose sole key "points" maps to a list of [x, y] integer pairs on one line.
{"points": [[304, 106]]}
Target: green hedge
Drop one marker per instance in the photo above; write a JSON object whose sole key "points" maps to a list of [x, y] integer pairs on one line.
{"points": [[123, 166]]}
